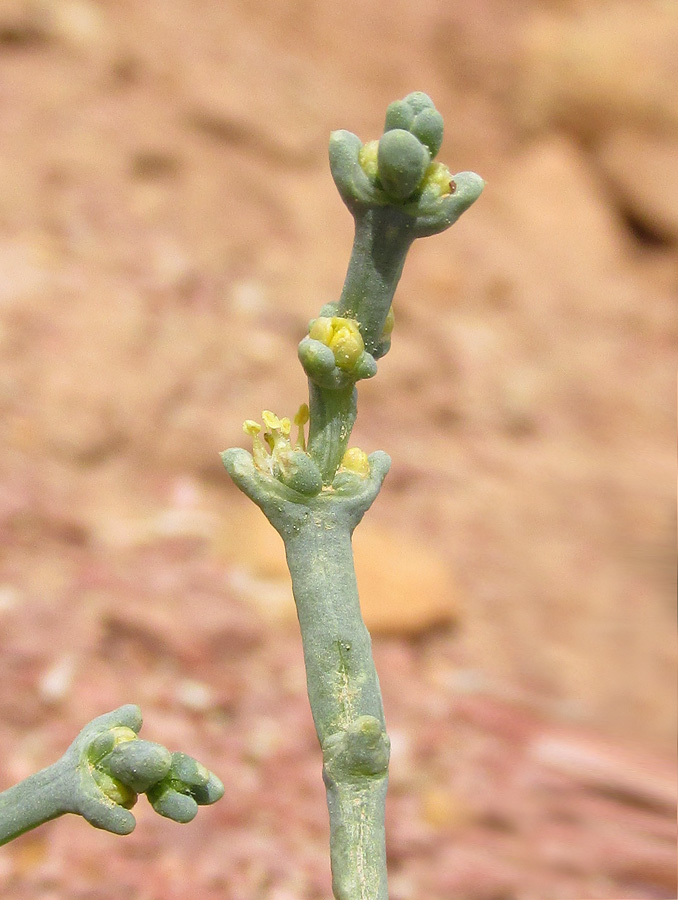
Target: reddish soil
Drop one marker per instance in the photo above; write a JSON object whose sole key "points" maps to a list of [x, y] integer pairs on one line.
{"points": [[168, 226]]}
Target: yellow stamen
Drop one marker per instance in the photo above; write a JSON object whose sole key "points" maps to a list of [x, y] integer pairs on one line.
{"points": [[249, 426], [302, 416], [271, 421]]}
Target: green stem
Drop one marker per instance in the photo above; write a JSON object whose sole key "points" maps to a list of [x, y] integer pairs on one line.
{"points": [[332, 416], [32, 802], [100, 775], [345, 700], [383, 236], [395, 196]]}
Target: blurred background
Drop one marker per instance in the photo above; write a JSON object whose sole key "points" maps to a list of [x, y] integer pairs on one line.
{"points": [[168, 225]]}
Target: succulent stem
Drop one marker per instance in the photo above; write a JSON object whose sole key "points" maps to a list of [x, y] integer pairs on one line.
{"points": [[32, 802], [396, 193], [383, 236], [345, 700], [333, 413]]}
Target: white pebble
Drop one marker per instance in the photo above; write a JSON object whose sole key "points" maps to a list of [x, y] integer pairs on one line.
{"points": [[57, 680], [194, 695]]}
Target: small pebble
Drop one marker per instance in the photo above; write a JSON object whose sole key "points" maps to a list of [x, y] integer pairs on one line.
{"points": [[194, 695], [9, 598], [57, 681]]}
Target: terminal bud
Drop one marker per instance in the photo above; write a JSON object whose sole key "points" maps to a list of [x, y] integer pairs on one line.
{"points": [[402, 163]]}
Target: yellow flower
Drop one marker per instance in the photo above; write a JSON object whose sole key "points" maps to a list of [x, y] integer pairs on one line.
{"points": [[438, 179], [343, 338], [355, 460]]}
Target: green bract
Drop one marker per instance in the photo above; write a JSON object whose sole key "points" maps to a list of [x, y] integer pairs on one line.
{"points": [[298, 471], [402, 162], [416, 113]]}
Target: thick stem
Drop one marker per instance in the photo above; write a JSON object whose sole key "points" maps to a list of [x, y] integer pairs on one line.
{"points": [[342, 680], [383, 236], [332, 416], [316, 526], [33, 801], [345, 701]]}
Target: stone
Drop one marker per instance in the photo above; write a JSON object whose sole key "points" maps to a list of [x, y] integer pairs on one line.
{"points": [[18, 24], [441, 808], [553, 198], [283, 129], [405, 585], [77, 24], [643, 167], [644, 781], [600, 66], [161, 630]]}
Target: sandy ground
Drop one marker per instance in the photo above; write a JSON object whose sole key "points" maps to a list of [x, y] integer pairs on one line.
{"points": [[168, 225]]}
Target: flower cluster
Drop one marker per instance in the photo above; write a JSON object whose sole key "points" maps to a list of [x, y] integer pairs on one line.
{"points": [[123, 766], [400, 163], [333, 355], [275, 455], [343, 338], [399, 171]]}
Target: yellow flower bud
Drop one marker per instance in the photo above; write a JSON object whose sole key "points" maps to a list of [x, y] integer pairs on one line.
{"points": [[367, 157], [343, 338], [321, 330], [388, 324], [439, 179], [114, 789], [346, 343], [355, 460], [122, 733]]}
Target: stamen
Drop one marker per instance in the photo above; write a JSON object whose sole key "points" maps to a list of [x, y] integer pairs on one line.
{"points": [[259, 453], [271, 421], [249, 426], [301, 418]]}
